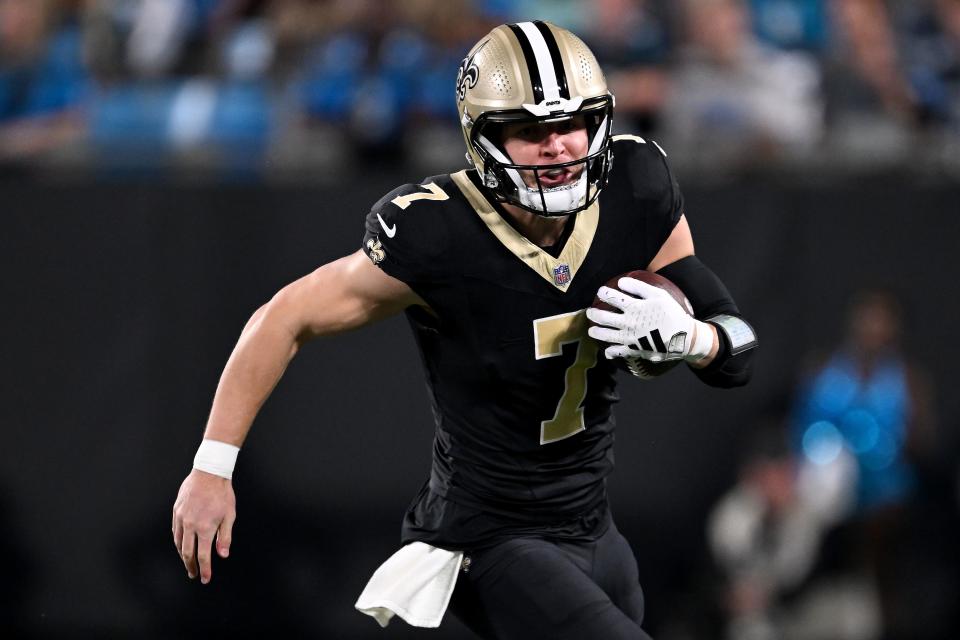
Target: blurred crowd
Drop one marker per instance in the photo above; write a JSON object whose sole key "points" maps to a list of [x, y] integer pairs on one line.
{"points": [[279, 84], [842, 521]]}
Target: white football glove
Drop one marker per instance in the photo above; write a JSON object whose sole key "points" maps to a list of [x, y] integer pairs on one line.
{"points": [[652, 325]]}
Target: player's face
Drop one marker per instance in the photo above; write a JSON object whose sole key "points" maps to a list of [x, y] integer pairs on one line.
{"points": [[540, 143]]}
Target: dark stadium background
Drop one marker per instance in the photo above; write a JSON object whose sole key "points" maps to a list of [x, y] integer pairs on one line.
{"points": [[124, 301], [126, 279]]}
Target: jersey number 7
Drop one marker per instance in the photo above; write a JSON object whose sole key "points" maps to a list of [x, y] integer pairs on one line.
{"points": [[549, 336]]}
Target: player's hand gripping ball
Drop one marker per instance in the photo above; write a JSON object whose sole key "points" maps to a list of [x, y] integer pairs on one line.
{"points": [[637, 335]]}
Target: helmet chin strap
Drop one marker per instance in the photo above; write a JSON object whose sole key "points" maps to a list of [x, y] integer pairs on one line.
{"points": [[558, 199]]}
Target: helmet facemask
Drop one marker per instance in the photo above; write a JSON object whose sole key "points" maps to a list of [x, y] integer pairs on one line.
{"points": [[534, 72], [505, 178]]}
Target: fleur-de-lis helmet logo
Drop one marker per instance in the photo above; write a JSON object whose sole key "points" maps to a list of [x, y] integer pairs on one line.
{"points": [[468, 74]]}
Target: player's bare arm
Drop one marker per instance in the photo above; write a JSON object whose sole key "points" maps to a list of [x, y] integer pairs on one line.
{"points": [[339, 296], [680, 245]]}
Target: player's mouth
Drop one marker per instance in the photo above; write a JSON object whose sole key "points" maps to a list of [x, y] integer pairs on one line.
{"points": [[559, 177]]}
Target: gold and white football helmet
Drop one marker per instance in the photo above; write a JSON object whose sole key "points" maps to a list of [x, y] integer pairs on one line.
{"points": [[536, 72]]}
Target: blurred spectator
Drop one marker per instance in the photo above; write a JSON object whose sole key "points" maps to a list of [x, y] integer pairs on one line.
{"points": [[792, 24], [766, 535], [180, 81], [147, 38], [632, 40], [23, 30], [389, 71], [868, 46], [293, 83], [872, 108], [932, 59], [869, 402], [42, 81], [158, 35], [734, 98]]}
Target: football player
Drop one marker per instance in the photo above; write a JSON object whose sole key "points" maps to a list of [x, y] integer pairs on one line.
{"points": [[496, 267]]}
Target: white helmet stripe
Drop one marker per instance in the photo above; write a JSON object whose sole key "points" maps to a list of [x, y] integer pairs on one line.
{"points": [[548, 74], [501, 157], [598, 138], [493, 150]]}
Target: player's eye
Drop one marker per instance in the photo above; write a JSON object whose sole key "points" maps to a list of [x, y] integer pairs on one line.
{"points": [[529, 133]]}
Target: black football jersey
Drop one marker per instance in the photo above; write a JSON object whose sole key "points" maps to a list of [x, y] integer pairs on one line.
{"points": [[521, 395]]}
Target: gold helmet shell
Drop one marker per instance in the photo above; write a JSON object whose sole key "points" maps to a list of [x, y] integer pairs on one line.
{"points": [[533, 71]]}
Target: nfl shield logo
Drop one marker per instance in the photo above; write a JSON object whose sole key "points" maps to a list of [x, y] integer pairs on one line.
{"points": [[561, 274]]}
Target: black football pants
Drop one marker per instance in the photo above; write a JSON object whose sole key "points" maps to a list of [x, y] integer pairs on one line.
{"points": [[530, 588]]}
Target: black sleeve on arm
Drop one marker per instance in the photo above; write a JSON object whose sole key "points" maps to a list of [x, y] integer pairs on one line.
{"points": [[709, 297]]}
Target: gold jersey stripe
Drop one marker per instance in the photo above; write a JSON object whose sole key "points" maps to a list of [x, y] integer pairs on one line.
{"points": [[574, 251]]}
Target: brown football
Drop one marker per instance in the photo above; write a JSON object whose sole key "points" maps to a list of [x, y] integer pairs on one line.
{"points": [[644, 369]]}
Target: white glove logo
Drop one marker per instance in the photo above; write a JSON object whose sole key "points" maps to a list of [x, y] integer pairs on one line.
{"points": [[647, 315]]}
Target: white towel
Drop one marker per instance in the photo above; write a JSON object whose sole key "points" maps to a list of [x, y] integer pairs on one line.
{"points": [[415, 583]]}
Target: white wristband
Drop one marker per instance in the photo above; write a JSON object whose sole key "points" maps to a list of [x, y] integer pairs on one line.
{"points": [[702, 343], [217, 458]]}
